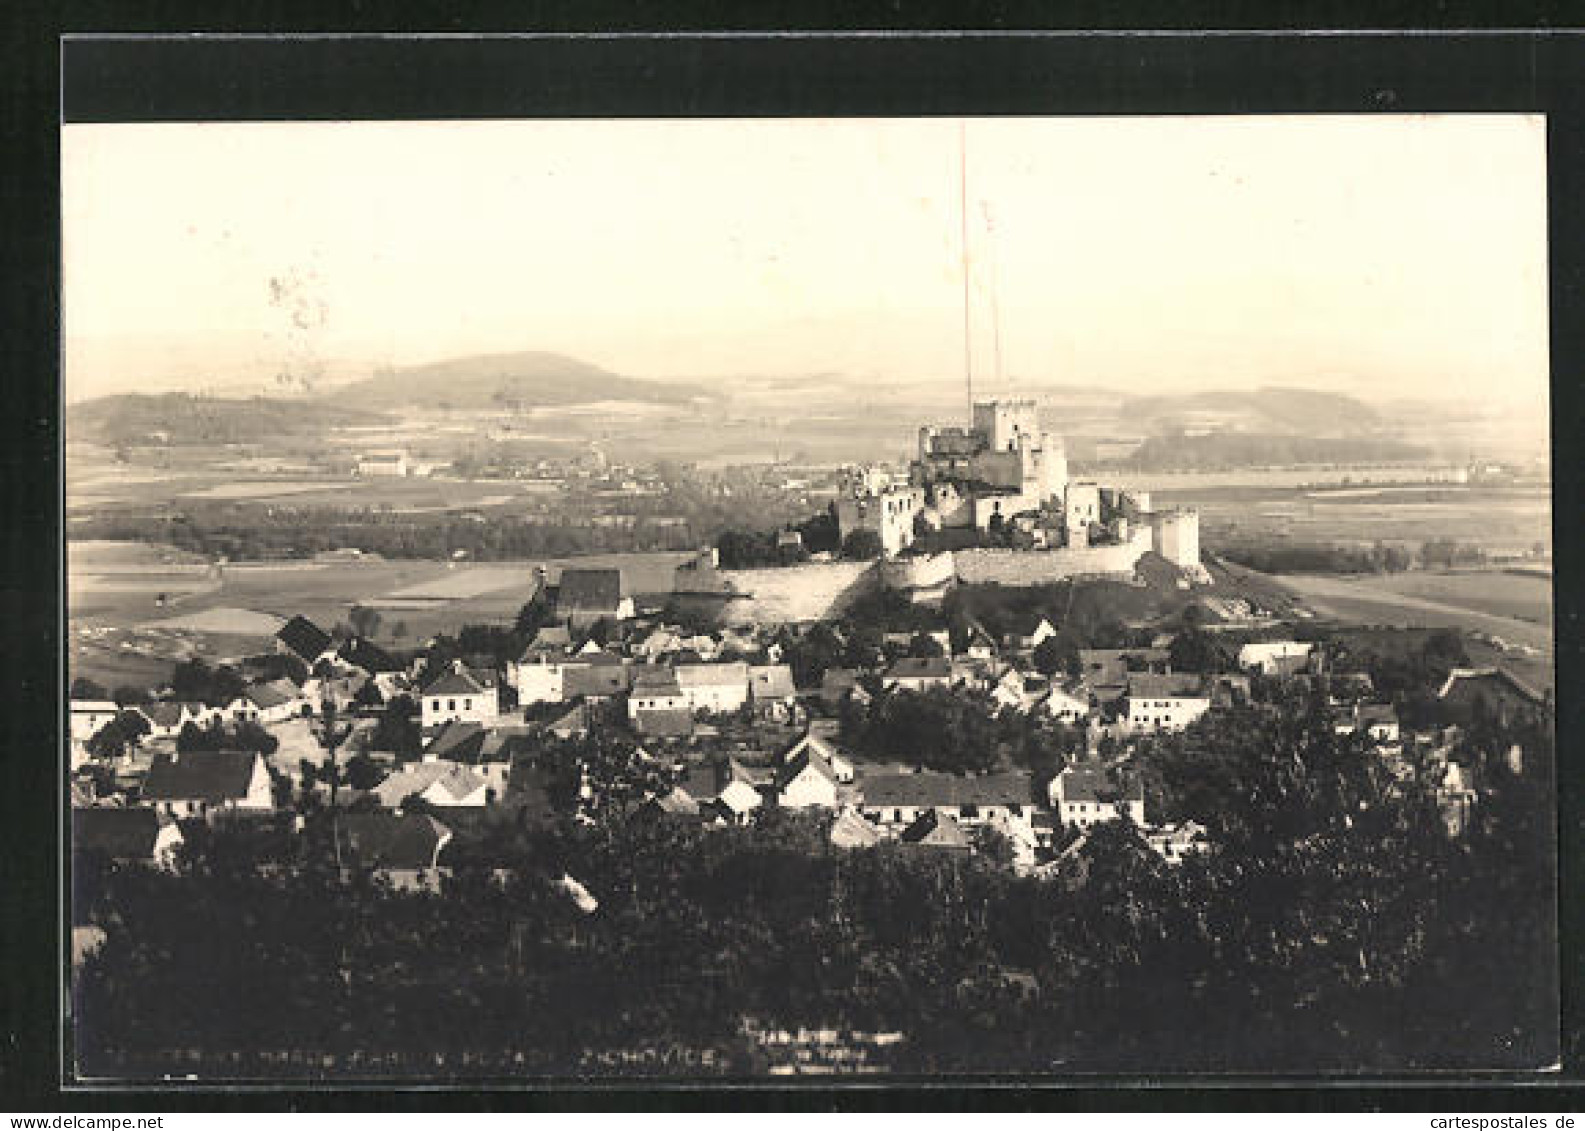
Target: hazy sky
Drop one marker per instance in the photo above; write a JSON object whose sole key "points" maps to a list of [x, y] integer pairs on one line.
{"points": [[1385, 253]]}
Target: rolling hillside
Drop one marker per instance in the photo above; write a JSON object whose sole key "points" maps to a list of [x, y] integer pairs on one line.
{"points": [[518, 381], [183, 418], [1304, 412]]}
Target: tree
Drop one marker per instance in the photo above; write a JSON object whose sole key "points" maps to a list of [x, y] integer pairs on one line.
{"points": [[85, 688], [532, 617], [119, 735], [1057, 654], [862, 544], [397, 729], [249, 735], [924, 646], [1195, 650], [365, 621], [363, 773]]}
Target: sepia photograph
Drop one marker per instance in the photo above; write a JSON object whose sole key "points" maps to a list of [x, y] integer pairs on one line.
{"points": [[771, 598]]}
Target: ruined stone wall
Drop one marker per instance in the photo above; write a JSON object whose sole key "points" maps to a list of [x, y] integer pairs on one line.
{"points": [[1042, 567], [925, 579], [817, 591]]}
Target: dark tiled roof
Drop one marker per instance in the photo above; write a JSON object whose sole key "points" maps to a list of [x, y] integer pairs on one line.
{"points": [[304, 637], [1091, 783], [935, 830], [655, 681], [594, 681], [212, 776], [927, 789], [122, 834], [589, 591], [1110, 665], [370, 657], [457, 741], [1180, 685], [465, 682], [809, 755], [668, 723], [400, 841], [915, 667], [164, 714]]}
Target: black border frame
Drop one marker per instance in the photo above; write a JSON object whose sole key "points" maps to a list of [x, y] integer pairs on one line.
{"points": [[730, 74]]}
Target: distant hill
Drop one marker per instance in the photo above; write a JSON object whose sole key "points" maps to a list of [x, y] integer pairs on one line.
{"points": [[1306, 412], [506, 380], [183, 418]]}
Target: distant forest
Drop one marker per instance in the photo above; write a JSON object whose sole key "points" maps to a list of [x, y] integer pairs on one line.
{"points": [[1226, 451]]}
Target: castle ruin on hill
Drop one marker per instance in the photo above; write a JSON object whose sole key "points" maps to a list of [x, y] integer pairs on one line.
{"points": [[1007, 480], [1001, 486]]}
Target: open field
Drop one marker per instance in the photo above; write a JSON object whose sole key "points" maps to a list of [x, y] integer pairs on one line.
{"points": [[1499, 519], [1526, 597], [1369, 602], [120, 636], [223, 622], [259, 489]]}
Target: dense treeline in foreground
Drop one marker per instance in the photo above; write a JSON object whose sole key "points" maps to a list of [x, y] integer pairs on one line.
{"points": [[1335, 925]]}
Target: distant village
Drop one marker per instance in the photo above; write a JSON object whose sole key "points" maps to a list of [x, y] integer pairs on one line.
{"points": [[721, 723]]}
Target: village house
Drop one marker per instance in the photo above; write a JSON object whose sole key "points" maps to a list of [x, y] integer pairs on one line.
{"points": [[838, 685], [584, 597], [600, 681], [825, 747], [665, 725], [1068, 701], [573, 724], [934, 828], [89, 716], [537, 675], [1504, 695], [771, 690], [1276, 657], [1175, 842], [1377, 720], [1019, 690], [807, 778], [724, 789], [443, 784], [166, 719], [896, 800], [915, 673], [135, 835], [715, 688], [304, 639], [852, 830], [1105, 671], [1165, 702], [403, 849], [675, 802], [655, 689], [1088, 795], [199, 784], [460, 694], [979, 644], [268, 703], [1034, 632]]}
